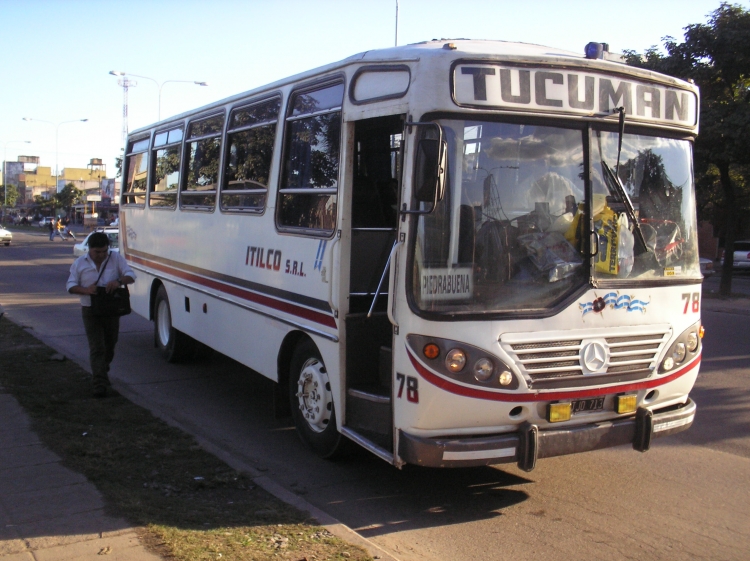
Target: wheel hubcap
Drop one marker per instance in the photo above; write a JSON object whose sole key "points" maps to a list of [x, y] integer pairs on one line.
{"points": [[314, 394], [164, 322]]}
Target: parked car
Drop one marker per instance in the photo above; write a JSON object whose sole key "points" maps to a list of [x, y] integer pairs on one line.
{"points": [[707, 267], [46, 221], [5, 236], [82, 248], [741, 258]]}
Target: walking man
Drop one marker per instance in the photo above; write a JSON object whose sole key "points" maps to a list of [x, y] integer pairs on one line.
{"points": [[99, 267]]}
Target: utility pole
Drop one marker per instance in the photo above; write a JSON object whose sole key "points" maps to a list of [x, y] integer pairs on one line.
{"points": [[125, 83], [396, 45]]}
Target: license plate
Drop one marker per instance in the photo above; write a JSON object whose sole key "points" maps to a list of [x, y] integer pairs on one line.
{"points": [[581, 405]]}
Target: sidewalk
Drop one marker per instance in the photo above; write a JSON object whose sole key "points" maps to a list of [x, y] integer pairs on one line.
{"points": [[48, 512], [727, 306]]}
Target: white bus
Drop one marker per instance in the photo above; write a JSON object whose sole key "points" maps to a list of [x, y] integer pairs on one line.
{"points": [[454, 253]]}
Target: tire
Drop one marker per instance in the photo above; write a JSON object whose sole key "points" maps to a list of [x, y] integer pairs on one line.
{"points": [[172, 344], [311, 401]]}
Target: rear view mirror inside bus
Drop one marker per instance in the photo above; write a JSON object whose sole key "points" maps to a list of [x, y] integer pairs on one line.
{"points": [[430, 184]]}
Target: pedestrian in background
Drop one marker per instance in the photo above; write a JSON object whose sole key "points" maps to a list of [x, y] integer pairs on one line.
{"points": [[99, 267], [60, 229], [68, 232]]}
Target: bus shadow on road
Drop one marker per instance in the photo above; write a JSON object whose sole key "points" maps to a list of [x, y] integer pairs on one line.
{"points": [[722, 416], [416, 497]]}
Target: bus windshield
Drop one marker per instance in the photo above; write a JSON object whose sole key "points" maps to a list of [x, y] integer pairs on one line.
{"points": [[510, 233], [656, 175]]}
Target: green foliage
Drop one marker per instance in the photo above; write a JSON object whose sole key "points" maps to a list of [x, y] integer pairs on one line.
{"points": [[45, 204], [118, 163], [716, 56], [69, 196], [10, 197]]}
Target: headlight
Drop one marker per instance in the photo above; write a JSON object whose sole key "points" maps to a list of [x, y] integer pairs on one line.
{"points": [[684, 348], [692, 341], [455, 360], [464, 363], [679, 352], [483, 369]]}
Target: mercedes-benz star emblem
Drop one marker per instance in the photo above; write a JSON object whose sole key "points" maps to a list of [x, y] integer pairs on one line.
{"points": [[594, 356]]}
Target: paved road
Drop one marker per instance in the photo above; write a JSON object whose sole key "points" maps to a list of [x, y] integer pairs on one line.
{"points": [[740, 282], [687, 498]]}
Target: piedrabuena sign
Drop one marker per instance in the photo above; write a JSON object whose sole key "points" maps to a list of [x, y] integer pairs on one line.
{"points": [[573, 91]]}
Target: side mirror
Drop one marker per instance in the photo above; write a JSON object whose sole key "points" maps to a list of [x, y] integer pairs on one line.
{"points": [[430, 168], [429, 185]]}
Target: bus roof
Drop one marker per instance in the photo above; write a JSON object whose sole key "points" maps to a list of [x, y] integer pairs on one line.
{"points": [[449, 50]]}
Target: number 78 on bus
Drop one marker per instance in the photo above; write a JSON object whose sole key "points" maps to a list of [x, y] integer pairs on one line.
{"points": [[450, 253]]}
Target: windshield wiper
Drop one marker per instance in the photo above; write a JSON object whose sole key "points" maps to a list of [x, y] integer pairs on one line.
{"points": [[613, 178], [614, 182]]}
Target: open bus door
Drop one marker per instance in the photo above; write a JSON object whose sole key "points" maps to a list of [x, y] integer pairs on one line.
{"points": [[369, 333]]}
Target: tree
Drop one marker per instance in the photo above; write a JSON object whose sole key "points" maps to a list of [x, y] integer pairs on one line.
{"points": [[716, 55], [66, 198], [69, 196], [118, 163], [45, 204], [10, 197]]}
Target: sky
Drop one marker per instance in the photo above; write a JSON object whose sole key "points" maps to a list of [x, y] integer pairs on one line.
{"points": [[58, 54]]}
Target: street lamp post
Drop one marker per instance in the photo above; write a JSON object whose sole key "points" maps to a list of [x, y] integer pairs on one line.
{"points": [[57, 130], [5, 165], [159, 85]]}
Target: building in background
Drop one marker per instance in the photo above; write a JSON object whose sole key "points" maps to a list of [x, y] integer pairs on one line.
{"points": [[32, 180]]}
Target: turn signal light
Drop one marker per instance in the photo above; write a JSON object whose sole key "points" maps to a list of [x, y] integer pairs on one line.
{"points": [[431, 350], [557, 412], [626, 403]]}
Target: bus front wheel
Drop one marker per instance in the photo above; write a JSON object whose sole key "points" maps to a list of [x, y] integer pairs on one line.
{"points": [[172, 344], [312, 401]]}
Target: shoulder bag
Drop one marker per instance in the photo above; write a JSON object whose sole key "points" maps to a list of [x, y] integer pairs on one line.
{"points": [[115, 303]]}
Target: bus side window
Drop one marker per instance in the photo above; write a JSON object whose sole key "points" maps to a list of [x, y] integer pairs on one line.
{"points": [[247, 167], [203, 153], [166, 176], [136, 173], [309, 185]]}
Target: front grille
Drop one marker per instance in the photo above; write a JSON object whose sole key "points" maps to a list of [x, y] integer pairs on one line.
{"points": [[546, 345], [632, 355]]}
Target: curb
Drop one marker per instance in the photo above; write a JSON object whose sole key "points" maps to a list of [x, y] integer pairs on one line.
{"points": [[330, 523]]}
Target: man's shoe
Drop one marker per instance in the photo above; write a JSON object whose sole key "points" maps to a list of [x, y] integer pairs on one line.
{"points": [[100, 392]]}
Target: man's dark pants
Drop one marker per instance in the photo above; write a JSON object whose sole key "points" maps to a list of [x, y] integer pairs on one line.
{"points": [[102, 332]]}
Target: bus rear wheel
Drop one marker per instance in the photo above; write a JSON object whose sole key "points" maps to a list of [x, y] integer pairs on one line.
{"points": [[172, 344], [312, 401]]}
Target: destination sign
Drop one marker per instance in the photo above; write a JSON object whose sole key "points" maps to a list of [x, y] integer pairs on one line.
{"points": [[572, 91], [447, 284]]}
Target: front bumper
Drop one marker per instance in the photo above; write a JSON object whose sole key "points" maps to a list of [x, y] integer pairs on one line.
{"points": [[529, 443]]}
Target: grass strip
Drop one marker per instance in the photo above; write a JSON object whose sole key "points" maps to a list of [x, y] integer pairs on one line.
{"points": [[188, 504]]}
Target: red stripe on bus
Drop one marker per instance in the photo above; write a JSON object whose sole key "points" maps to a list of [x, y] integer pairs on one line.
{"points": [[279, 305], [458, 389]]}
